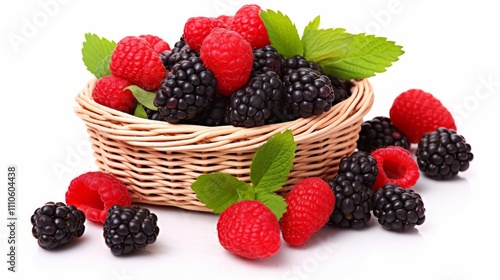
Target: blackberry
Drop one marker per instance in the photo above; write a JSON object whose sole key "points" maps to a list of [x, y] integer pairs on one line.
{"points": [[341, 88], [398, 209], [353, 203], [252, 105], [290, 65], [152, 114], [179, 52], [307, 93], [129, 228], [57, 224], [359, 167], [442, 154], [379, 132], [186, 91], [215, 114], [267, 59]]}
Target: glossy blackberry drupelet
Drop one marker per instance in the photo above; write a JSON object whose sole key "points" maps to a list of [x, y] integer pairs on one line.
{"points": [[442, 154], [56, 224], [379, 132], [398, 209], [353, 203], [359, 167], [129, 228], [341, 88], [290, 65], [252, 105], [215, 114], [152, 114], [179, 52], [186, 91], [307, 93], [267, 59]]}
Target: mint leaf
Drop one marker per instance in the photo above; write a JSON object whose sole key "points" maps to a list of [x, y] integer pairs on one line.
{"points": [[140, 112], [219, 190], [274, 202], [366, 56], [321, 45], [96, 54], [312, 25], [272, 162], [282, 33], [144, 97]]}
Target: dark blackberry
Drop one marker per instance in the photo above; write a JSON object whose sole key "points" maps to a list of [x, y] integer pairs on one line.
{"points": [[442, 154], [179, 52], [186, 91], [57, 224], [341, 88], [379, 132], [252, 105], [359, 167], [353, 203], [398, 209], [290, 65], [152, 114], [215, 114], [129, 228], [267, 59], [307, 93]]}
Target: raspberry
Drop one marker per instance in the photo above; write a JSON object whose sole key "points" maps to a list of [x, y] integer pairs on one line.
{"points": [[129, 228], [229, 57], [248, 23], [57, 224], [396, 166], [94, 192], [110, 91], [226, 19], [157, 43], [197, 28], [443, 153], [310, 204], [135, 60], [415, 112], [397, 208], [249, 229]]}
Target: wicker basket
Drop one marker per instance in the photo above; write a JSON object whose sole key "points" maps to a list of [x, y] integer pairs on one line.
{"points": [[159, 161]]}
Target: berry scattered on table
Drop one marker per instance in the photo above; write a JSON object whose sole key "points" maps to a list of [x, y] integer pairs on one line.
{"points": [[415, 112], [230, 57], [56, 224], [94, 192], [310, 204], [249, 229], [129, 228], [397, 166], [398, 208], [135, 60], [249, 25], [359, 167], [442, 154], [110, 91], [379, 132]]}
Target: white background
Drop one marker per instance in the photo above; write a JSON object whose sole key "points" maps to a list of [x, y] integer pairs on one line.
{"points": [[452, 51]]}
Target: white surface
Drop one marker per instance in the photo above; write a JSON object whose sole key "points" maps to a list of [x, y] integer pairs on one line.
{"points": [[451, 51]]}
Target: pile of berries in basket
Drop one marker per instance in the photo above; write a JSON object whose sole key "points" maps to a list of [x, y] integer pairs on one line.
{"points": [[230, 70]]}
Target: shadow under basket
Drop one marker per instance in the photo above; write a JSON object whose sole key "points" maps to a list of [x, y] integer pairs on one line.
{"points": [[159, 161]]}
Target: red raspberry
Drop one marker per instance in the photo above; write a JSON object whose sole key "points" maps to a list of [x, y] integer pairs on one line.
{"points": [[110, 91], [197, 28], [248, 23], [249, 229], [226, 19], [415, 112], [396, 166], [310, 204], [229, 57], [135, 60], [158, 44], [95, 192]]}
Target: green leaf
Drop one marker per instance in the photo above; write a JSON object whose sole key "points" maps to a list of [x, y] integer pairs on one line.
{"points": [[321, 45], [96, 54], [219, 190], [140, 112], [274, 202], [272, 162], [312, 25], [366, 56], [144, 97], [282, 33]]}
